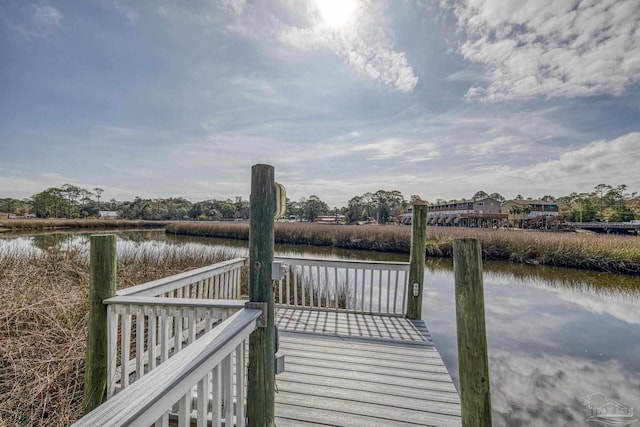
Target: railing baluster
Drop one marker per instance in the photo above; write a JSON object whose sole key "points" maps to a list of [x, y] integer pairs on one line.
{"points": [[295, 285], [302, 286], [125, 345], [216, 404], [395, 293], [388, 287], [184, 410], [405, 284], [164, 334], [151, 337], [348, 291], [240, 385], [336, 297], [379, 291], [177, 338], [203, 401], [288, 282], [112, 340], [192, 326], [139, 343], [227, 385]]}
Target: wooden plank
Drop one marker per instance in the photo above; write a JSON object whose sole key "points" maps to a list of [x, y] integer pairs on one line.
{"points": [[355, 386], [382, 380], [291, 415], [376, 397], [429, 355], [361, 370], [294, 356], [349, 324], [350, 411]]}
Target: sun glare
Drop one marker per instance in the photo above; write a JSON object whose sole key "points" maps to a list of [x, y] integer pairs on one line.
{"points": [[336, 13]]}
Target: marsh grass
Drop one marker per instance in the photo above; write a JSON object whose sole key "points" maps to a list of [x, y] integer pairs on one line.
{"points": [[52, 224], [598, 252], [43, 318]]}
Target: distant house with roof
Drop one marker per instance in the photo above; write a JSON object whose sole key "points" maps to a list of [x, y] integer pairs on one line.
{"points": [[484, 212], [108, 214]]}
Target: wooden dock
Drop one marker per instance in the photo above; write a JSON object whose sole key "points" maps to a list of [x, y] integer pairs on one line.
{"points": [[347, 369]]}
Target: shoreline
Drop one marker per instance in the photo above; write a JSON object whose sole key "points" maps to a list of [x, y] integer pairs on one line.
{"points": [[593, 252]]}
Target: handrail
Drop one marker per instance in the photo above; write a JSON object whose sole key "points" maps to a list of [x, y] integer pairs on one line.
{"points": [[378, 265], [166, 284], [378, 287], [151, 397], [170, 302]]}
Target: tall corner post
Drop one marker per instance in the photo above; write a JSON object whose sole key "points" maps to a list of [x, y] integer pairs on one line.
{"points": [[416, 261], [102, 285], [473, 358], [261, 375]]}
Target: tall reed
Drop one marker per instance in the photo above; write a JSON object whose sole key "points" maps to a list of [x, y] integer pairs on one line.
{"points": [[43, 318], [609, 253]]}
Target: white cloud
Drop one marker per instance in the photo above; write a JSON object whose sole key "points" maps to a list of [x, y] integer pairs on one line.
{"points": [[500, 145], [44, 20], [363, 42], [129, 13], [613, 162], [235, 7], [550, 48]]}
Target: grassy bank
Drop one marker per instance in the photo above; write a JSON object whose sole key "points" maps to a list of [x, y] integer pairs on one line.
{"points": [[609, 253], [43, 317], [52, 224]]}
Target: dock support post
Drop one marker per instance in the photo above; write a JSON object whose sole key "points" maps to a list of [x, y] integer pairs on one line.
{"points": [[261, 376], [102, 285], [416, 261], [473, 359]]}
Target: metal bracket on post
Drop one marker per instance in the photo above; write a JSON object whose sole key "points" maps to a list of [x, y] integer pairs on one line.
{"points": [[263, 306]]}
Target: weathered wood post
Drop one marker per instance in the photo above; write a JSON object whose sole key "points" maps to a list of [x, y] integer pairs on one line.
{"points": [[416, 260], [102, 285], [473, 359], [261, 378]]}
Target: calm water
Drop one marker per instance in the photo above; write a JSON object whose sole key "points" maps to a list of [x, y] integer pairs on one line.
{"points": [[556, 336]]}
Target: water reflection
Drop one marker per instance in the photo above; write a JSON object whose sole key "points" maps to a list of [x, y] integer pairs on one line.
{"points": [[555, 335]]}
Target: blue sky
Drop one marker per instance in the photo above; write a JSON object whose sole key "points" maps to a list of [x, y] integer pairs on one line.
{"points": [[441, 99]]}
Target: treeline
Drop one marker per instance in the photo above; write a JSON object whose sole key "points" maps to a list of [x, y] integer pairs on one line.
{"points": [[604, 203]]}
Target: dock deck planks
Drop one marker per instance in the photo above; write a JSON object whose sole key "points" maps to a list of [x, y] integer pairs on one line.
{"points": [[345, 369]]}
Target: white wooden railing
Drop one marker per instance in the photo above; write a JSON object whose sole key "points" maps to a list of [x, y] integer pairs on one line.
{"points": [[357, 286], [212, 368], [151, 322]]}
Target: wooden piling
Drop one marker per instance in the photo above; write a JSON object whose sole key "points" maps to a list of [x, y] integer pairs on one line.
{"points": [[416, 260], [102, 285], [261, 376], [473, 360]]}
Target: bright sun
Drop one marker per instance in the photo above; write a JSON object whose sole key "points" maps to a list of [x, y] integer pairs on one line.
{"points": [[336, 13]]}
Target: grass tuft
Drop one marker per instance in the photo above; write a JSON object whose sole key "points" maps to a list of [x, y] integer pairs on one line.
{"points": [[43, 322], [598, 252]]}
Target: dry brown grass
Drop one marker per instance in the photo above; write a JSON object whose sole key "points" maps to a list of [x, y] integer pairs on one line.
{"points": [[43, 317], [50, 224], [609, 253]]}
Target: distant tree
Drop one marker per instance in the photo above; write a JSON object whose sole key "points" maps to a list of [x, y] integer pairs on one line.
{"points": [[98, 192], [49, 203], [355, 209], [497, 196], [519, 197], [599, 192], [480, 195], [72, 192], [313, 207]]}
